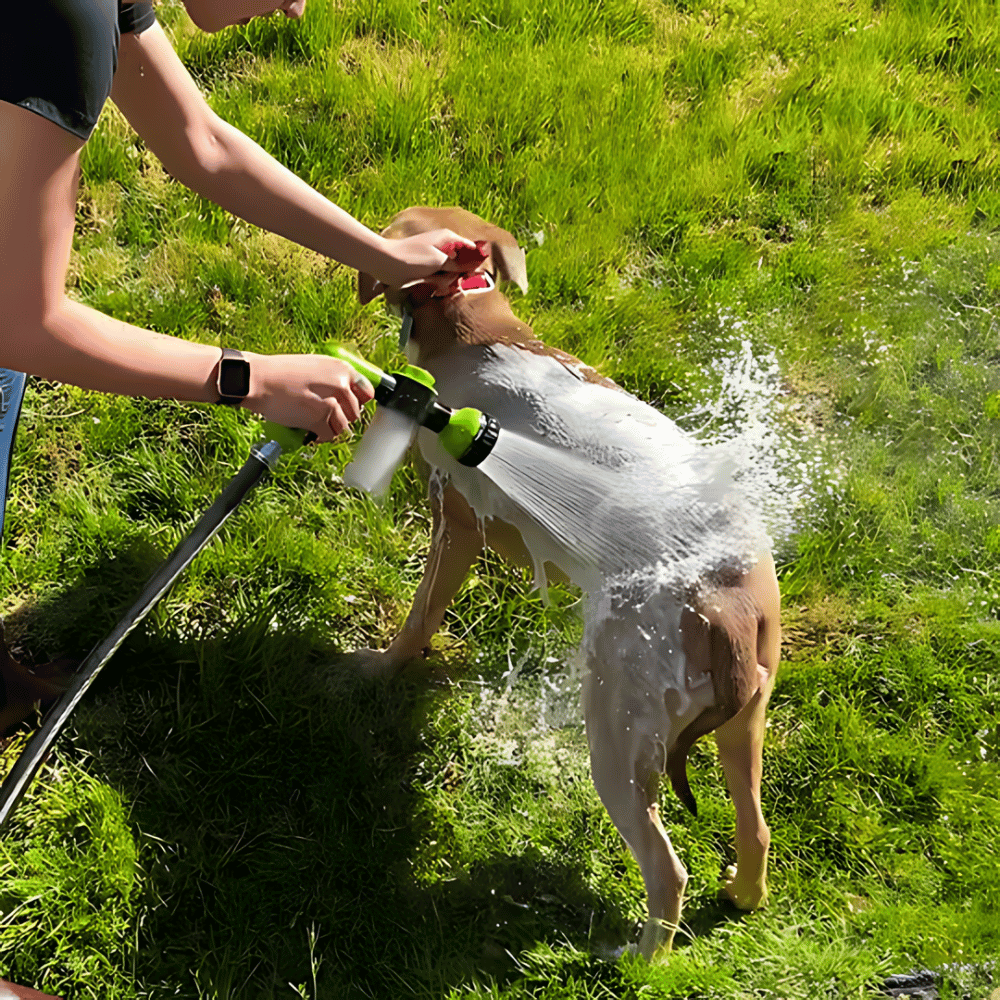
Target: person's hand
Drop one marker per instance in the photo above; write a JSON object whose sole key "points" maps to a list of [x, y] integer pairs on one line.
{"points": [[214, 15], [309, 391], [421, 256]]}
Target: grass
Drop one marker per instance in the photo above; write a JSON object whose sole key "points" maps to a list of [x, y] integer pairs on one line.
{"points": [[233, 813]]}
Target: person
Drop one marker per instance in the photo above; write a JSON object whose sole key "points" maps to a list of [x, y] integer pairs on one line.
{"points": [[60, 60]]}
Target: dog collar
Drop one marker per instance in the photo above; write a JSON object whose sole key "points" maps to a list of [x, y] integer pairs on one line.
{"points": [[422, 292]]}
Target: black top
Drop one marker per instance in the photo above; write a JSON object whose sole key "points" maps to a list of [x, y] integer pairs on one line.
{"points": [[58, 57]]}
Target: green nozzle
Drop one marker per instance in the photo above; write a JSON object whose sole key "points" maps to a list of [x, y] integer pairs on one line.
{"points": [[410, 391], [289, 438], [420, 375], [469, 436], [463, 426], [336, 350]]}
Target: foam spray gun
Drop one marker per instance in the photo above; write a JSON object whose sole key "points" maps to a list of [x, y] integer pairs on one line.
{"points": [[407, 401]]}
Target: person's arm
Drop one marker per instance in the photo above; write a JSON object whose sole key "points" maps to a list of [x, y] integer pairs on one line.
{"points": [[162, 103], [44, 333]]}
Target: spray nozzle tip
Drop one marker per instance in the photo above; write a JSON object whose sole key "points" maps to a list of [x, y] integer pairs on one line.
{"points": [[469, 436]]}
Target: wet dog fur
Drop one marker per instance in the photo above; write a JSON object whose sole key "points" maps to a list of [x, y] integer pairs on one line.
{"points": [[731, 628]]}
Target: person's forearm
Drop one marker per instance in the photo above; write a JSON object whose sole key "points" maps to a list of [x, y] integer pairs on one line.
{"points": [[84, 347], [247, 181]]}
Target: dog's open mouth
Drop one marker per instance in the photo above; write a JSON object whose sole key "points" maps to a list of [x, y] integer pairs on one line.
{"points": [[478, 281], [463, 284]]}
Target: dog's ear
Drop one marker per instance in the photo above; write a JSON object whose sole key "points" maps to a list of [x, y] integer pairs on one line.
{"points": [[368, 288], [509, 259]]}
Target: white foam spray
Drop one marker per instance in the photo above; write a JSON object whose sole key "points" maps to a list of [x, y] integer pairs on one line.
{"points": [[633, 508], [776, 467], [600, 484], [383, 446]]}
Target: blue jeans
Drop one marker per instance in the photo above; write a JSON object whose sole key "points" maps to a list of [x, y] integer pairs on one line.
{"points": [[11, 395]]}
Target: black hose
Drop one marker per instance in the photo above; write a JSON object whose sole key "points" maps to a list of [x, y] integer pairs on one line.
{"points": [[26, 766]]}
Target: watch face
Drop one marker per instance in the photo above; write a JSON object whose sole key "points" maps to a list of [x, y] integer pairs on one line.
{"points": [[234, 377]]}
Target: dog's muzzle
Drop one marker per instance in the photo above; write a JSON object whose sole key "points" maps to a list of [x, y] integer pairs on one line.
{"points": [[464, 284]]}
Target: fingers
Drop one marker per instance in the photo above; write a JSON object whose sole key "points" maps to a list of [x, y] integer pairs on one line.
{"points": [[317, 393], [466, 256], [344, 408], [362, 388], [346, 396], [336, 423], [461, 254], [349, 392], [420, 256]]}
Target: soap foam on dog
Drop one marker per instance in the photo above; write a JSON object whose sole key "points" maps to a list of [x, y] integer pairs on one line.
{"points": [[602, 484]]}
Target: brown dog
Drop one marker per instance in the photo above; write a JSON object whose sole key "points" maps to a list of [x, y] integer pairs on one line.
{"points": [[669, 657]]}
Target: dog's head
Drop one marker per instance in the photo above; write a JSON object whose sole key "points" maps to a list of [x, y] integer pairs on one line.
{"points": [[505, 260], [471, 308]]}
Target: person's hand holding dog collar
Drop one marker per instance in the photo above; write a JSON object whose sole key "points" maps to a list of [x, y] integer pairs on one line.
{"points": [[420, 256]]}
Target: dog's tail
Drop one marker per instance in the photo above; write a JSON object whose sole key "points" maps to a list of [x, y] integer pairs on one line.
{"points": [[720, 637], [677, 758]]}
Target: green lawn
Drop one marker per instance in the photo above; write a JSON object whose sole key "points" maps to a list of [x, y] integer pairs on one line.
{"points": [[235, 814]]}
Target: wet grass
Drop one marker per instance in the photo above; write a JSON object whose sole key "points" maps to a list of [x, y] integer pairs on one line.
{"points": [[233, 813]]}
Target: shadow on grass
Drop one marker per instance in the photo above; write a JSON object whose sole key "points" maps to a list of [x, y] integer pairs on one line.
{"points": [[70, 621], [276, 800], [702, 919]]}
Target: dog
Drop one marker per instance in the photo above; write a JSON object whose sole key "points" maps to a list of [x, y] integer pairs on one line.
{"points": [[668, 658]]}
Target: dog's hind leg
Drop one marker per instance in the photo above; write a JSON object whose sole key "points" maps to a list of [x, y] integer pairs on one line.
{"points": [[741, 742], [627, 785]]}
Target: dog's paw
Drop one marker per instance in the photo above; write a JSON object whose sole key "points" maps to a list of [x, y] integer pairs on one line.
{"points": [[376, 664], [656, 941], [743, 897]]}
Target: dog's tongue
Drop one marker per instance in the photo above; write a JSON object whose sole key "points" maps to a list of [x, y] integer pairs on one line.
{"points": [[473, 281]]}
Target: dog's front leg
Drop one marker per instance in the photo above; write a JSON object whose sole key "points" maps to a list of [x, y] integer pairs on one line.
{"points": [[456, 541]]}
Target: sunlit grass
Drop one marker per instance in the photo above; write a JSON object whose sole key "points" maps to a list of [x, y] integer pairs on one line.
{"points": [[235, 814]]}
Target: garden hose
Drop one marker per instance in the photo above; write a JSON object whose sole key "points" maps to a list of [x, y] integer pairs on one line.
{"points": [[263, 458]]}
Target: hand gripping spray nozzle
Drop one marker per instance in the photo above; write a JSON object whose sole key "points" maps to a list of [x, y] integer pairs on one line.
{"points": [[407, 401]]}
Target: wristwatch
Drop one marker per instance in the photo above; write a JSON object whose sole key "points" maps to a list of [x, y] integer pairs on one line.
{"points": [[233, 381]]}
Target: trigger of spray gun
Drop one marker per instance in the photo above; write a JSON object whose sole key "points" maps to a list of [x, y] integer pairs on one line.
{"points": [[468, 434]]}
